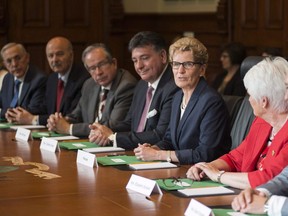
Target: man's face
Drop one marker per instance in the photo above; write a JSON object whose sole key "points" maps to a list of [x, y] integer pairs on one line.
{"points": [[148, 62], [59, 56], [102, 70], [16, 61]]}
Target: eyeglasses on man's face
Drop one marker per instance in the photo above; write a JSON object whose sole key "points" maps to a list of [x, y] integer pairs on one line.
{"points": [[186, 65], [100, 66], [174, 181]]}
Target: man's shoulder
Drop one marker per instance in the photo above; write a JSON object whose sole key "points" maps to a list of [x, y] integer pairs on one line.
{"points": [[78, 71]]}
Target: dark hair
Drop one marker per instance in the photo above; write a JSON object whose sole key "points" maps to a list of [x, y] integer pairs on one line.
{"points": [[147, 38], [272, 51], [236, 52]]}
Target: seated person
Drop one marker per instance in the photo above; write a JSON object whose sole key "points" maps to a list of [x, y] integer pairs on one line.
{"points": [[199, 125], [263, 153], [106, 96], [271, 198], [63, 87], [230, 82], [146, 120], [24, 84]]}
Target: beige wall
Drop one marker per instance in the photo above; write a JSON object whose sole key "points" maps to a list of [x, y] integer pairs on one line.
{"points": [[172, 6]]}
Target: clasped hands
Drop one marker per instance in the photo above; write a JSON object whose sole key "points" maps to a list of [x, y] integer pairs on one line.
{"points": [[18, 115], [56, 122], [99, 134], [201, 170]]}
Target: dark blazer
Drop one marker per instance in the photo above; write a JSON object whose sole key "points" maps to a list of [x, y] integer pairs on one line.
{"points": [[203, 132], [157, 124], [234, 87], [72, 92], [32, 94], [117, 103], [279, 186]]}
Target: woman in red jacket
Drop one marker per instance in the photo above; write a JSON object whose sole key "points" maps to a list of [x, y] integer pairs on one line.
{"points": [[264, 152]]}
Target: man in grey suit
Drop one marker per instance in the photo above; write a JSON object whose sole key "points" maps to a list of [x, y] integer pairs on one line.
{"points": [[106, 96], [270, 198], [147, 120]]}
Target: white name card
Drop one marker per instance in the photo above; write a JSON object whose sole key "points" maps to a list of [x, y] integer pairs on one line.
{"points": [[49, 144], [86, 158], [196, 208], [143, 185], [22, 134]]}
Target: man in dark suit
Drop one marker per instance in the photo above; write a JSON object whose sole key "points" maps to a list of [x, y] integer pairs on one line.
{"points": [[106, 96], [148, 118], [59, 52], [23, 86]]}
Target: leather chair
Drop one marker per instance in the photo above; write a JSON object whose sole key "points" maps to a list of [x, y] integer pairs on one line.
{"points": [[245, 116]]}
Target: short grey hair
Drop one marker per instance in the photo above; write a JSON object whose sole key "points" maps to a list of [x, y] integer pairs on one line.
{"points": [[9, 45], [267, 79], [92, 47]]}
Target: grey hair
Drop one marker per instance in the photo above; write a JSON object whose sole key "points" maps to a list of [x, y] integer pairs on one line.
{"points": [[92, 47], [9, 45]]}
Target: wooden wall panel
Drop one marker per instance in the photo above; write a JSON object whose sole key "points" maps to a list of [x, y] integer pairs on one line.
{"points": [[35, 13], [274, 14], [249, 13]]}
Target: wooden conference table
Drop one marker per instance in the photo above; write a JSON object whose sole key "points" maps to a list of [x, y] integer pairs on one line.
{"points": [[67, 188]]}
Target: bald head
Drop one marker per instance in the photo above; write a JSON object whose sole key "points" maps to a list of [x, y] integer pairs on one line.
{"points": [[59, 53]]}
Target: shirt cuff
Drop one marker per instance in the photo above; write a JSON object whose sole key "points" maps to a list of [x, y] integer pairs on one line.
{"points": [[112, 138], [265, 191], [275, 204], [71, 129]]}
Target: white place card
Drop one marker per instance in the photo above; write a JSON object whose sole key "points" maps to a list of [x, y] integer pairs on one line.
{"points": [[196, 208], [86, 158], [143, 185], [49, 144], [22, 134]]}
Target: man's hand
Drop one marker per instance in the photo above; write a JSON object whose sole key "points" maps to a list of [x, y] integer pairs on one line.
{"points": [[58, 123], [99, 134], [19, 115]]}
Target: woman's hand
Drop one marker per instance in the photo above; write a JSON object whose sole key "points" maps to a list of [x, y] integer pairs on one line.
{"points": [[195, 173]]}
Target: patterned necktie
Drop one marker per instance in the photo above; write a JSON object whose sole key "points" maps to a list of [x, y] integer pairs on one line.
{"points": [[60, 91], [142, 122], [14, 101]]}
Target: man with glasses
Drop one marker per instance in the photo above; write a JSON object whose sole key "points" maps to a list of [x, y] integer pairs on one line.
{"points": [[106, 96], [23, 86], [63, 87], [149, 114]]}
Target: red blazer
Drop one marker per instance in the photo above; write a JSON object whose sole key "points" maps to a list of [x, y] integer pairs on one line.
{"points": [[245, 157]]}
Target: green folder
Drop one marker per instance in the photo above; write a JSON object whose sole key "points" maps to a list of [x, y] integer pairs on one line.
{"points": [[5, 125], [183, 183], [223, 212], [40, 134], [118, 160], [77, 145]]}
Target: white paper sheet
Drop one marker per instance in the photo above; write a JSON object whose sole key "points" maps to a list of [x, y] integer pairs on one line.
{"points": [[206, 191], [103, 149], [152, 165]]}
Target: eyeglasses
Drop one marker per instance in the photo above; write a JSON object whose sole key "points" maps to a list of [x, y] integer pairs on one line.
{"points": [[100, 66], [176, 181], [186, 65]]}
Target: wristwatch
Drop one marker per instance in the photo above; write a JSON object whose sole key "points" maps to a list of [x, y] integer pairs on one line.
{"points": [[169, 156], [221, 172]]}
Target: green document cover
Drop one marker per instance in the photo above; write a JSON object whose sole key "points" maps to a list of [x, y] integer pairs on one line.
{"points": [[46, 134], [5, 125], [118, 160], [223, 212], [183, 183], [77, 145]]}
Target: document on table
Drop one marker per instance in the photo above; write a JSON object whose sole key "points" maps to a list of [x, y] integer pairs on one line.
{"points": [[15, 127], [103, 149], [64, 138], [152, 165], [206, 191]]}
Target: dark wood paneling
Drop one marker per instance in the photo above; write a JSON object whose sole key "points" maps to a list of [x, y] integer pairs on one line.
{"points": [[35, 18], [274, 14]]}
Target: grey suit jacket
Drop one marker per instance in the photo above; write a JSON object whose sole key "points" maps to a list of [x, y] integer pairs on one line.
{"points": [[117, 103], [279, 186]]}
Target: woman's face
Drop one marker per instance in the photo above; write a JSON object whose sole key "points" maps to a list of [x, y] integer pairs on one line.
{"points": [[186, 78], [225, 60]]}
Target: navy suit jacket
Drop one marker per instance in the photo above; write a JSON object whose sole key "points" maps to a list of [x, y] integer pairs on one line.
{"points": [[203, 132], [279, 186], [157, 124], [72, 92], [32, 94]]}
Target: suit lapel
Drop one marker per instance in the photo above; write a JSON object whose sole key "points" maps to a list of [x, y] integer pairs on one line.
{"points": [[93, 108]]}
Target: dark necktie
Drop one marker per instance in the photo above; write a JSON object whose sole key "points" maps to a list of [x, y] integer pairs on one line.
{"points": [[103, 97], [14, 101], [60, 91], [142, 122]]}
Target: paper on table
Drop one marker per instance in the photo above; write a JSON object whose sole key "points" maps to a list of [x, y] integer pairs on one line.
{"points": [[64, 138], [103, 149], [206, 191], [15, 127], [152, 165]]}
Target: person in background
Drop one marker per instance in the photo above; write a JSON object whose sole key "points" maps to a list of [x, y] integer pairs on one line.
{"points": [[199, 122], [3, 72], [106, 96], [63, 87], [263, 153], [24, 85], [230, 82], [149, 113], [271, 52]]}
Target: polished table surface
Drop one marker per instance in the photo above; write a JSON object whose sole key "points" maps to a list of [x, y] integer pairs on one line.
{"points": [[47, 183]]}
